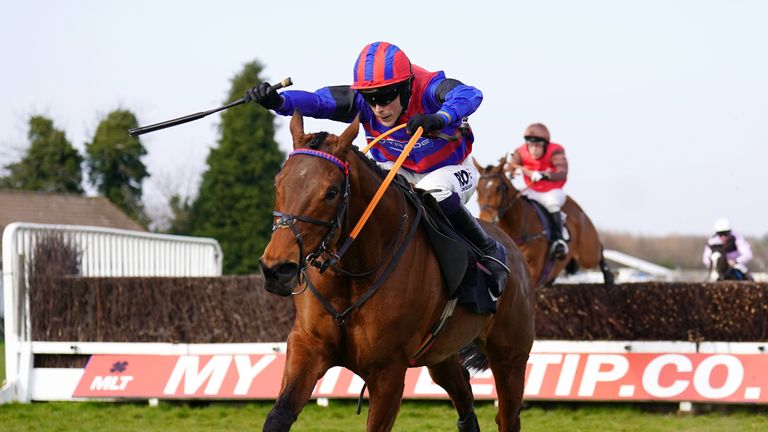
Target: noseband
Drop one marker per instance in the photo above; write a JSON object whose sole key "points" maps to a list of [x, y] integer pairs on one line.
{"points": [[286, 220], [505, 202]]}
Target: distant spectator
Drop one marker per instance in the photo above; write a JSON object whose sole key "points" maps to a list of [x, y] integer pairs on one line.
{"points": [[737, 250]]}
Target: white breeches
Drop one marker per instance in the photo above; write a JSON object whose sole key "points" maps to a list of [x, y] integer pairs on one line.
{"points": [[459, 179], [551, 200]]}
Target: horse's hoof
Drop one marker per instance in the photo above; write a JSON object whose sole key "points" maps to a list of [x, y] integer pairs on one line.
{"points": [[609, 278], [468, 423]]}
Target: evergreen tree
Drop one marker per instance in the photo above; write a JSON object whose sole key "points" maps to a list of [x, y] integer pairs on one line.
{"points": [[236, 196], [51, 163], [114, 163]]}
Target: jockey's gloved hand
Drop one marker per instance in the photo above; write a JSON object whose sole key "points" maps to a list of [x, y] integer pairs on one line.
{"points": [[429, 122], [537, 176], [264, 95]]}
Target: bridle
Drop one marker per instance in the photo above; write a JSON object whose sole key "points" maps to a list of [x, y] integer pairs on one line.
{"points": [[323, 258], [286, 220], [506, 202]]}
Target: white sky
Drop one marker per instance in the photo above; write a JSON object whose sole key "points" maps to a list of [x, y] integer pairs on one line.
{"points": [[662, 105]]}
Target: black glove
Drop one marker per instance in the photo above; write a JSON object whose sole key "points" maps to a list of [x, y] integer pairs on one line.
{"points": [[264, 95], [429, 122]]}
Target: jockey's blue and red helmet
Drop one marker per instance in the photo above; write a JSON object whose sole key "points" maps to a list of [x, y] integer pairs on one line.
{"points": [[383, 66]]}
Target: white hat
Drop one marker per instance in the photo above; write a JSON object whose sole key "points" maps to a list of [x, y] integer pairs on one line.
{"points": [[722, 225]]}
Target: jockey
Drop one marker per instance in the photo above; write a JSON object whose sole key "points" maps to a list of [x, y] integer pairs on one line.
{"points": [[545, 171], [738, 252], [387, 91]]}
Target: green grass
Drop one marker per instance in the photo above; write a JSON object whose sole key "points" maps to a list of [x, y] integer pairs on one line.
{"points": [[2, 363], [340, 416]]}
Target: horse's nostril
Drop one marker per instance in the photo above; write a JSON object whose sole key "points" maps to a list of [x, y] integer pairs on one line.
{"points": [[280, 272], [286, 271]]}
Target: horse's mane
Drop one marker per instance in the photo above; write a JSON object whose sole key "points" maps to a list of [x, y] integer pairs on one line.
{"points": [[318, 139], [381, 172]]}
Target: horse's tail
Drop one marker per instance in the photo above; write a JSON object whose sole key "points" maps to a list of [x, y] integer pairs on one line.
{"points": [[471, 358]]}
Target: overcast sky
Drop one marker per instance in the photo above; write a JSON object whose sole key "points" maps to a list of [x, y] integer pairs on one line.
{"points": [[662, 106]]}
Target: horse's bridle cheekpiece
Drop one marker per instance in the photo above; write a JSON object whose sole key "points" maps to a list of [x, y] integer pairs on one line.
{"points": [[506, 202], [286, 220]]}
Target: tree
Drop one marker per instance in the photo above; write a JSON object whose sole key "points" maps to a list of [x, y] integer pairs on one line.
{"points": [[51, 163], [114, 163], [236, 196], [181, 208]]}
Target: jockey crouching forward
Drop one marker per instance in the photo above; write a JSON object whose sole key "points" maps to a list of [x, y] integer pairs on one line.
{"points": [[545, 171], [388, 91], [736, 248]]}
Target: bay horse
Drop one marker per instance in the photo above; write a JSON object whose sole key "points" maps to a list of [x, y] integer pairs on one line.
{"points": [[363, 312], [502, 204]]}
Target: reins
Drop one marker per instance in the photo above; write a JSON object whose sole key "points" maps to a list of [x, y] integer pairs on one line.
{"points": [[506, 205], [384, 184], [287, 221]]}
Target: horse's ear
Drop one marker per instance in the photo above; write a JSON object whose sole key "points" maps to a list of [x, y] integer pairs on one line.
{"points": [[477, 164], [497, 169], [349, 134], [297, 128]]}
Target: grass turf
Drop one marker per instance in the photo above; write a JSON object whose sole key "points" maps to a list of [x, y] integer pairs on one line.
{"points": [[340, 416]]}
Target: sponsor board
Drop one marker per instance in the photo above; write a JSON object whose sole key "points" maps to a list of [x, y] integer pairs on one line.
{"points": [[727, 378]]}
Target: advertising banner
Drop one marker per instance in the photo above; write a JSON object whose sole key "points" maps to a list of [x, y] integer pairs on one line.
{"points": [[590, 376]]}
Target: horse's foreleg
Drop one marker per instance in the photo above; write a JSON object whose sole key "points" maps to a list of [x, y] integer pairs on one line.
{"points": [[385, 389], [451, 376], [607, 273], [509, 375], [303, 367]]}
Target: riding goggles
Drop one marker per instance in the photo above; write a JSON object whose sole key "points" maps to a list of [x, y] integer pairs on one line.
{"points": [[535, 140], [381, 97]]}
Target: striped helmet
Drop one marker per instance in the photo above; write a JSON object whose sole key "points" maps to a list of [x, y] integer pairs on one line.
{"points": [[380, 64]]}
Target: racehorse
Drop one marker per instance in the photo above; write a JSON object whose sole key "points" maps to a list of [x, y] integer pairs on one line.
{"points": [[367, 315], [502, 204], [721, 270]]}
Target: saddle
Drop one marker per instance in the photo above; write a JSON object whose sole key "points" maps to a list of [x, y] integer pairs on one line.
{"points": [[546, 222], [545, 218], [458, 259]]}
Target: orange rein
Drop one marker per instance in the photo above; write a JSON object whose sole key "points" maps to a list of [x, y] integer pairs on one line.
{"points": [[392, 173], [384, 135]]}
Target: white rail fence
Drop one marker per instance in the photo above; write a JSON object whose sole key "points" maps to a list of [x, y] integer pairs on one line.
{"points": [[103, 252]]}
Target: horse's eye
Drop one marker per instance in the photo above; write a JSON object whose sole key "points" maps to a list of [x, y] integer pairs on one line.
{"points": [[331, 193]]}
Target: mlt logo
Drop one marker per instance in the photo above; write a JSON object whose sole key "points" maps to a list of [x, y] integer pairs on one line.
{"points": [[112, 382]]}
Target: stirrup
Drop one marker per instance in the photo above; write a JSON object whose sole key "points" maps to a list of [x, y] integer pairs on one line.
{"points": [[497, 261]]}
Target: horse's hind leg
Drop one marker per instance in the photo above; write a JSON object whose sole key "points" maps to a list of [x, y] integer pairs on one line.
{"points": [[508, 366], [451, 376]]}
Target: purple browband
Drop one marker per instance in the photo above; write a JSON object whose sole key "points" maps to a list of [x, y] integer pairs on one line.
{"points": [[343, 166]]}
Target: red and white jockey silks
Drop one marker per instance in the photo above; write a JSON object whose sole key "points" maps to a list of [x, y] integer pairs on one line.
{"points": [[543, 164]]}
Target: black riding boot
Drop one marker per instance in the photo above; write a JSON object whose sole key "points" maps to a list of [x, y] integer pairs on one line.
{"points": [[559, 247], [495, 258]]}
